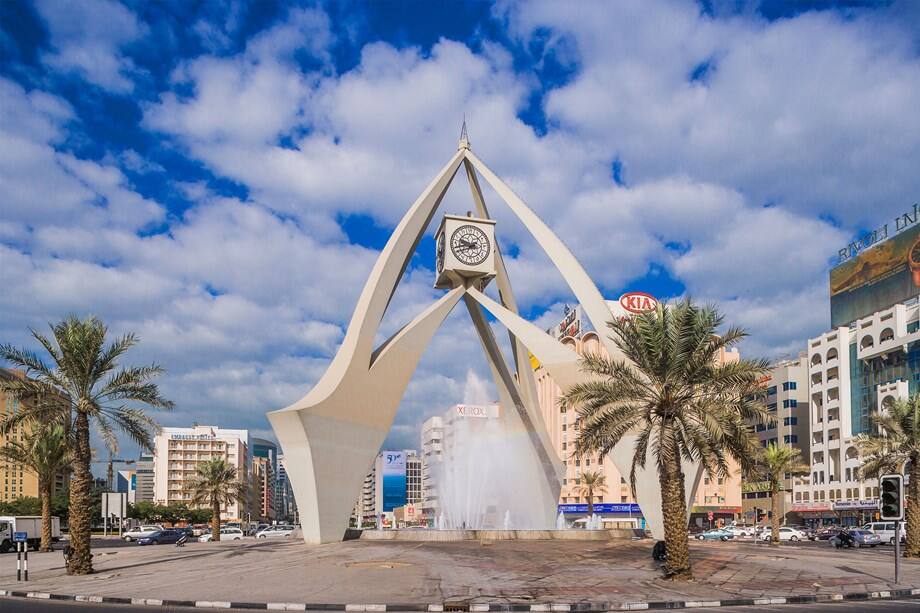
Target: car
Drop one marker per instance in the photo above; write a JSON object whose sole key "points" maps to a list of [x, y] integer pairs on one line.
{"points": [[275, 532], [226, 534], [864, 538], [719, 534], [826, 533], [740, 531], [785, 534], [885, 530], [160, 537], [140, 531]]}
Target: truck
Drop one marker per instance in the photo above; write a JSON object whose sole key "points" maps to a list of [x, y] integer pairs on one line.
{"points": [[31, 525]]}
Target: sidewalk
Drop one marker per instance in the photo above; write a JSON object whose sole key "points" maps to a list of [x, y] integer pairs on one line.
{"points": [[462, 573]]}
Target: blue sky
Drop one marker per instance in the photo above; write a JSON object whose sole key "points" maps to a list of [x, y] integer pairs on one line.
{"points": [[218, 177]]}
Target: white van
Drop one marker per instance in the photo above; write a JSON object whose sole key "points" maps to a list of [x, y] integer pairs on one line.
{"points": [[885, 530]]}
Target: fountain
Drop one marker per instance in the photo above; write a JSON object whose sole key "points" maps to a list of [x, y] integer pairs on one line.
{"points": [[560, 522]]}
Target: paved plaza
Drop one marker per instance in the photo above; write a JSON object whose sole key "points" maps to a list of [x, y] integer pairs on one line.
{"points": [[460, 572]]}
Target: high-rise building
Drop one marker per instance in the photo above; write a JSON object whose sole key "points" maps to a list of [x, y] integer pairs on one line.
{"points": [[432, 455], [178, 453], [869, 358], [265, 470], [143, 472], [395, 479], [719, 496], [286, 506], [786, 398], [17, 480]]}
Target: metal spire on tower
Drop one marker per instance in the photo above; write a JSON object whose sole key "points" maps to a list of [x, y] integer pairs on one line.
{"points": [[464, 137]]}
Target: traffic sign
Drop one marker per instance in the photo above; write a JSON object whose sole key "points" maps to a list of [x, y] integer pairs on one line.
{"points": [[20, 537], [710, 515]]}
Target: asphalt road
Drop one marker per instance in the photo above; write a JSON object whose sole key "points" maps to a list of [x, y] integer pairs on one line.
{"points": [[25, 605]]}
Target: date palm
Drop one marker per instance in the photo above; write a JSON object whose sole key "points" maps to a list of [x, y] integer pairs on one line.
{"points": [[216, 483], [45, 452], [772, 465], [83, 387], [671, 391], [894, 449], [592, 482]]}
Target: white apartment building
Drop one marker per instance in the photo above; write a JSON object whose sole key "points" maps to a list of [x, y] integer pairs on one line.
{"points": [[432, 455], [179, 451], [854, 372], [401, 470]]}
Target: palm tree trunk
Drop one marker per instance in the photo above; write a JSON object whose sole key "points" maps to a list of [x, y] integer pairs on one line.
{"points": [[674, 512], [45, 487], [215, 519], [590, 502], [912, 550], [81, 504], [774, 521]]}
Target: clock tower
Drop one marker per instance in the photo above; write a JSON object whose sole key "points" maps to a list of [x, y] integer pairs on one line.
{"points": [[465, 250]]}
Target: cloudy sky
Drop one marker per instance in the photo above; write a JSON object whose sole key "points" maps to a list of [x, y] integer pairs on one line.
{"points": [[219, 177]]}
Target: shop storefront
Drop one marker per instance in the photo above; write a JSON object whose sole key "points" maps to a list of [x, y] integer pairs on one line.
{"points": [[610, 512], [713, 515], [856, 512]]}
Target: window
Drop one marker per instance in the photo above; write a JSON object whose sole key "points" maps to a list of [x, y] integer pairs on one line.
{"points": [[791, 403], [622, 480], [771, 407], [771, 391], [788, 385], [790, 438], [563, 427], [790, 421], [564, 445], [624, 498]]}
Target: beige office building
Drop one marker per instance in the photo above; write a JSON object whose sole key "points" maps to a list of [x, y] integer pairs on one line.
{"points": [[721, 497], [178, 453], [786, 398]]}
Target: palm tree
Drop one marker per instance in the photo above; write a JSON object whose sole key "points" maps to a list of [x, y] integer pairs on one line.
{"points": [[591, 482], [896, 449], [772, 465], [216, 483], [672, 392], [84, 387], [46, 453]]}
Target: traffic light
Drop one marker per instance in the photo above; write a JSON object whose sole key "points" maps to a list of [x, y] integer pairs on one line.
{"points": [[760, 515], [892, 497]]}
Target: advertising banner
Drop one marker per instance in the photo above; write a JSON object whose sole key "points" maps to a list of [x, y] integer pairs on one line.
{"points": [[862, 505], [393, 480], [876, 278]]}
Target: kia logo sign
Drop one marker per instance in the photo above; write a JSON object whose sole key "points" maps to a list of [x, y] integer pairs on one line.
{"points": [[638, 302]]}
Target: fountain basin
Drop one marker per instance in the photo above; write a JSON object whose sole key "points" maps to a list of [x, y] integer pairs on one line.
{"points": [[615, 534]]}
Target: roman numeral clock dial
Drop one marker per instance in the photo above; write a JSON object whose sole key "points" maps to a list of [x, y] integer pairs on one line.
{"points": [[470, 245]]}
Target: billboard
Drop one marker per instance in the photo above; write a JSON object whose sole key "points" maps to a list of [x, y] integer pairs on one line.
{"points": [[885, 274], [393, 480]]}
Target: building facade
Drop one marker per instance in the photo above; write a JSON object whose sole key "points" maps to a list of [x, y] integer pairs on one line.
{"points": [[395, 479], [854, 372], [17, 481], [432, 455], [787, 400], [719, 496], [264, 477], [143, 472], [180, 451], [285, 505]]}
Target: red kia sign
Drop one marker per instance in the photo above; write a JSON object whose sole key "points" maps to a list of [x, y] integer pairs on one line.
{"points": [[638, 302]]}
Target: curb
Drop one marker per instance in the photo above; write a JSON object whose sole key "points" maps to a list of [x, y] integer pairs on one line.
{"points": [[449, 607]]}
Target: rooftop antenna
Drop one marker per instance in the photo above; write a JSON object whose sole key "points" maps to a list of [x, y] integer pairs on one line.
{"points": [[464, 137]]}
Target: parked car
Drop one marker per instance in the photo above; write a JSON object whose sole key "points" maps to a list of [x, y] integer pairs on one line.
{"points": [[826, 533], [717, 534], [275, 532], [140, 531], [161, 537], [226, 534], [785, 534], [864, 538], [885, 530], [740, 531]]}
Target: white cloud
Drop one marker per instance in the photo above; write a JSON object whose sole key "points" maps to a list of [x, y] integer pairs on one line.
{"points": [[88, 36]]}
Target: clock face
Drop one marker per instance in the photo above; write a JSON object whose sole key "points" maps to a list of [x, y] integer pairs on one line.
{"points": [[470, 245], [439, 258]]}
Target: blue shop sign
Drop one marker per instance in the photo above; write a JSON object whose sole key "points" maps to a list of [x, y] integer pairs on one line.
{"points": [[602, 507]]}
